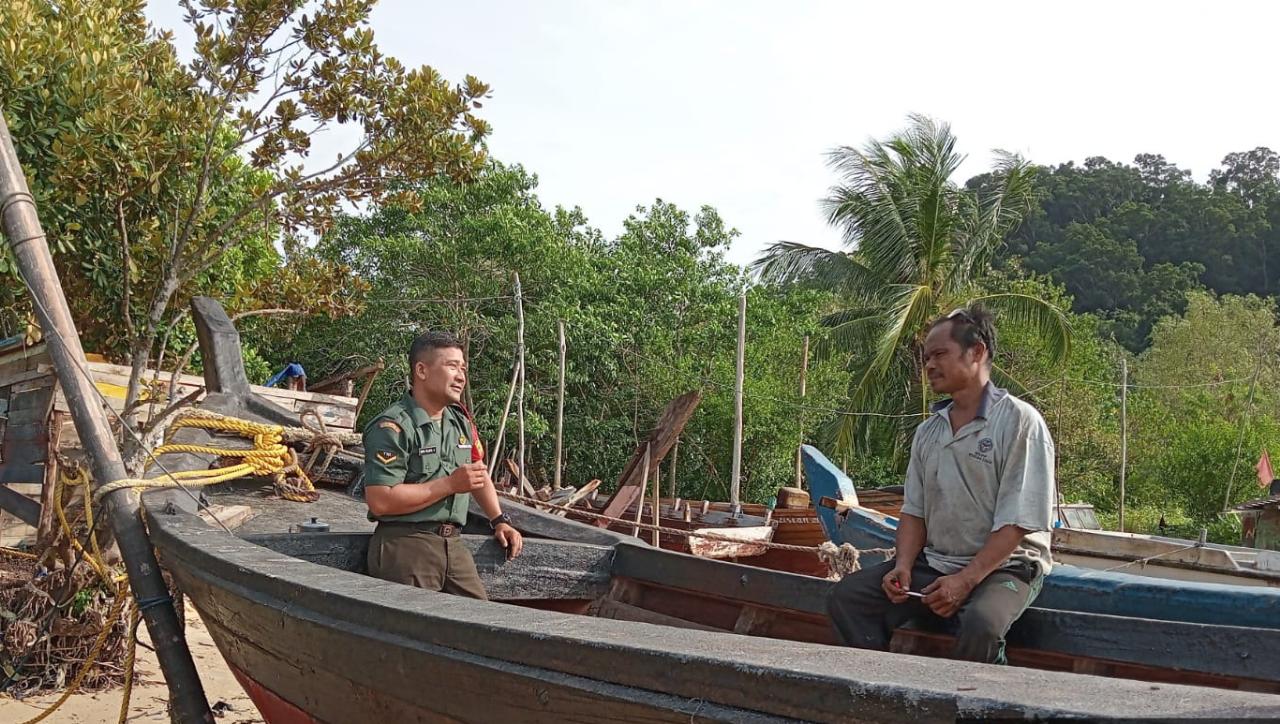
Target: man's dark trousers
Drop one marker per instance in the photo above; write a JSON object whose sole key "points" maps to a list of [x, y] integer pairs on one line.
{"points": [[865, 618]]}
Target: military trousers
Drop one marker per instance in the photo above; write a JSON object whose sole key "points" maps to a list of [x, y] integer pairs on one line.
{"points": [[865, 618], [418, 554]]}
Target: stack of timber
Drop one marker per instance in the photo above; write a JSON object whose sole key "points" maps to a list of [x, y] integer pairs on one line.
{"points": [[36, 426]]}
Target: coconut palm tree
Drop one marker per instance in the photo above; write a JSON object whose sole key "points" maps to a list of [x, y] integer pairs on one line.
{"points": [[916, 245]]}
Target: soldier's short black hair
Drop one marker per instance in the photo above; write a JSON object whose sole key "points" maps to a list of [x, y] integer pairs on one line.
{"points": [[428, 342], [971, 325]]}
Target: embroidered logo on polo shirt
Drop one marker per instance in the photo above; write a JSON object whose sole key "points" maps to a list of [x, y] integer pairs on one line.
{"points": [[984, 447]]}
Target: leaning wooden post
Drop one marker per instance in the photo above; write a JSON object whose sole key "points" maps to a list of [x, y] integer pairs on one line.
{"points": [[735, 477], [675, 455], [502, 424], [31, 252], [644, 483], [804, 369], [520, 391], [555, 483]]}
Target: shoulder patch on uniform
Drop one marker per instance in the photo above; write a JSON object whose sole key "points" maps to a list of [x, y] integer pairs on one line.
{"points": [[390, 425], [386, 458]]}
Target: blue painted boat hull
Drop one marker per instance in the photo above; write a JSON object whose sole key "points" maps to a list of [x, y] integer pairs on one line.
{"points": [[1067, 588]]}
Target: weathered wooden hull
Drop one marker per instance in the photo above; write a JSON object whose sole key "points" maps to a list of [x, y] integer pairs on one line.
{"points": [[313, 639]]}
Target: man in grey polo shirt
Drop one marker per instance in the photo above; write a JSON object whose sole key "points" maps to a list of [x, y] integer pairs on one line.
{"points": [[978, 505]]}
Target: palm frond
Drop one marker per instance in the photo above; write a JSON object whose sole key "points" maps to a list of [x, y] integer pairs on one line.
{"points": [[790, 262], [988, 219], [1050, 323]]}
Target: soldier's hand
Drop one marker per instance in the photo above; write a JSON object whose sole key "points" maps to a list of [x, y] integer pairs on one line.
{"points": [[510, 539], [468, 478]]}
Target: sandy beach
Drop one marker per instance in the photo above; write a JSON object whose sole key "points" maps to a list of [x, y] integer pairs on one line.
{"points": [[149, 693]]}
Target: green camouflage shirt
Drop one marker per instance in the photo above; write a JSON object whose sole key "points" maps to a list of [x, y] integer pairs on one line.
{"points": [[404, 445]]}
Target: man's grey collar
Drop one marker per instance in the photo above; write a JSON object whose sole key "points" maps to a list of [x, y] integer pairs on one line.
{"points": [[990, 396]]}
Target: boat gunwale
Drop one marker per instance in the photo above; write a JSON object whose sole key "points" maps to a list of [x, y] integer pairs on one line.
{"points": [[787, 678]]}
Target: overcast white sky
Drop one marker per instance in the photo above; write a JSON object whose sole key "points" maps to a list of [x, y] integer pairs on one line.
{"points": [[733, 103]]}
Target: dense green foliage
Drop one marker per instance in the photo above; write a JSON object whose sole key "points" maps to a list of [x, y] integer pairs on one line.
{"points": [[158, 179], [648, 316]]}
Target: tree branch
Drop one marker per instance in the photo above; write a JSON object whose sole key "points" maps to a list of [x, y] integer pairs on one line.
{"points": [[124, 246]]}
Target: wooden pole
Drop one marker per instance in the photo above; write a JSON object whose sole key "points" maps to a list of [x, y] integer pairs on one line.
{"points": [[560, 410], [1124, 431], [657, 502], [804, 369], [122, 507], [520, 391], [644, 483], [502, 424], [675, 455], [735, 479]]}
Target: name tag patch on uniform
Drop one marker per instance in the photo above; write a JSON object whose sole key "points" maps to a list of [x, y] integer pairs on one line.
{"points": [[386, 458], [427, 450]]}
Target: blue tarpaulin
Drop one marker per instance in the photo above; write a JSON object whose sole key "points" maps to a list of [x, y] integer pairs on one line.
{"points": [[293, 369]]}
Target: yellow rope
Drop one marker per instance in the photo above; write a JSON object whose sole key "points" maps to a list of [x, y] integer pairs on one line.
{"points": [[269, 457], [130, 659], [20, 554], [116, 608]]}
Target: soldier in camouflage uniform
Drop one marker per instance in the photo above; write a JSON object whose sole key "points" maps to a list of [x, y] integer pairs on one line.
{"points": [[423, 462]]}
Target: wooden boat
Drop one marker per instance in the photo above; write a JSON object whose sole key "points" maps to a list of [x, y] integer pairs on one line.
{"points": [[1067, 587], [797, 526], [590, 625], [1145, 555]]}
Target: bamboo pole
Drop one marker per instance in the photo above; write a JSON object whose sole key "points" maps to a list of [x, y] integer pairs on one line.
{"points": [[122, 508], [1124, 431], [804, 369], [735, 479], [555, 484], [502, 424], [644, 483], [657, 502], [520, 391]]}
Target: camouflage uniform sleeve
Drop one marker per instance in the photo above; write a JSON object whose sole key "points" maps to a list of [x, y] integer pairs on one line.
{"points": [[385, 457]]}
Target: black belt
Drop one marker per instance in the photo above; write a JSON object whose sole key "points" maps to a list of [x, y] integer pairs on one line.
{"points": [[444, 530]]}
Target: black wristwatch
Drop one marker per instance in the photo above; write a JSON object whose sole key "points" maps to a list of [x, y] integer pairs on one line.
{"points": [[500, 519]]}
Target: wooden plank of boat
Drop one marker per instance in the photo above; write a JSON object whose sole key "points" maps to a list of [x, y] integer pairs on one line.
{"points": [[340, 646], [270, 611], [746, 542], [1071, 588], [228, 516], [927, 643]]}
